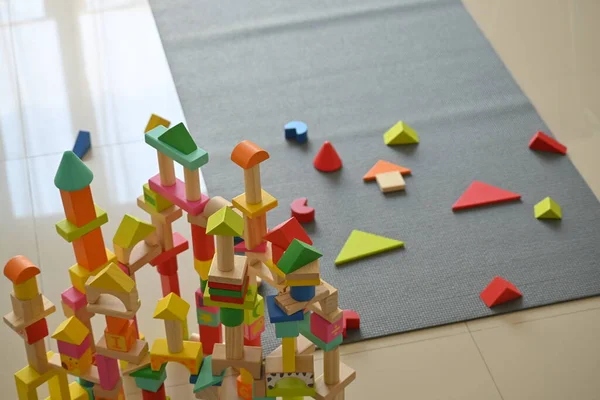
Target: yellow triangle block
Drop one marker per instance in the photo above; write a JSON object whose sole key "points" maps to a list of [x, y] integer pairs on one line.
{"points": [[363, 244], [155, 121], [225, 222], [171, 308], [112, 278], [547, 209], [71, 331], [132, 231], [400, 133]]}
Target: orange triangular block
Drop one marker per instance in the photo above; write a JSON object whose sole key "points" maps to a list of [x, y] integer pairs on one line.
{"points": [[480, 194], [382, 167]]}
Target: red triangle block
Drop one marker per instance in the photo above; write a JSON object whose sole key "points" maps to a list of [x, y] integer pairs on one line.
{"points": [[327, 159], [481, 194], [499, 291], [283, 234], [542, 142]]}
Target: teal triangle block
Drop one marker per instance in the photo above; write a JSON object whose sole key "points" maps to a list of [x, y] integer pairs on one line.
{"points": [[72, 173], [297, 255], [179, 138], [206, 378]]}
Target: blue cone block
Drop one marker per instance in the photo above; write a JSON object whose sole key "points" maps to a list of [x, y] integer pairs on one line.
{"points": [[302, 293]]}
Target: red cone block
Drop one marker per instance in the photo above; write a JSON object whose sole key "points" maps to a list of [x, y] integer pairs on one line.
{"points": [[542, 142], [327, 159], [499, 291]]}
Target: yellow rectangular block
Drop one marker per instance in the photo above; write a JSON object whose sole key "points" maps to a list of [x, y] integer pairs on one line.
{"points": [[79, 275], [289, 354], [26, 290], [28, 380], [303, 282], [254, 210], [202, 268], [190, 357]]}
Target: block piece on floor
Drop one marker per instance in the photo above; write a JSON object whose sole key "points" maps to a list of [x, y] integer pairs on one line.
{"points": [[327, 158], [400, 133], [481, 194], [542, 142], [301, 211], [390, 182], [547, 209], [383, 166], [296, 130], [499, 291], [363, 244]]}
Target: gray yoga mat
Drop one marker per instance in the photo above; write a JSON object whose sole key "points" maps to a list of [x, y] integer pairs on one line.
{"points": [[351, 69]]}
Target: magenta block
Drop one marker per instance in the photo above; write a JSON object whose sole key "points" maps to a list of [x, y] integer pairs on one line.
{"points": [[108, 370], [325, 330], [73, 350], [255, 329], [124, 268], [241, 248], [199, 298], [176, 195], [74, 298]]}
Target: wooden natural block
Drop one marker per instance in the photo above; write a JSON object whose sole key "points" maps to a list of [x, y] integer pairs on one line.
{"points": [[135, 355], [303, 346], [31, 313], [190, 356], [330, 303], [291, 306], [109, 305], [251, 360], [328, 392], [233, 277], [304, 363], [390, 181], [308, 272]]}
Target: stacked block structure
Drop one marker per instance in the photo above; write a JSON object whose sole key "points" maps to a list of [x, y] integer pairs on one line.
{"points": [[225, 359]]}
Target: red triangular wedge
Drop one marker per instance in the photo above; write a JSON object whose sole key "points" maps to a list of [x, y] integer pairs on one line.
{"points": [[382, 167], [481, 194], [499, 291], [327, 159], [542, 142], [283, 234]]}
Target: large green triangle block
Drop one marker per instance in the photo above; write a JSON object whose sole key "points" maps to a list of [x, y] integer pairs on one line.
{"points": [[179, 138], [400, 133], [225, 222], [297, 255], [72, 173], [363, 244]]}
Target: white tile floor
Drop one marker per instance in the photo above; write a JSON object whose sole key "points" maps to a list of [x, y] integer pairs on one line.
{"points": [[99, 65]]}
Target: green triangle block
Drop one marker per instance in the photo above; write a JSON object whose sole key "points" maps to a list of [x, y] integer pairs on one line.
{"points": [[297, 255], [131, 231], [547, 209], [206, 378], [225, 222], [362, 244], [72, 173], [179, 138], [400, 133]]}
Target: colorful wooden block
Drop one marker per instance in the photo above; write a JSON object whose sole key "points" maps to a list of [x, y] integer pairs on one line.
{"points": [[327, 158], [542, 142], [27, 290], [115, 325], [37, 331], [499, 291], [257, 311], [297, 255], [363, 244], [77, 365], [171, 308], [131, 231], [83, 143], [72, 331], [112, 279], [287, 329], [79, 275], [205, 376], [180, 244], [108, 371], [482, 194], [193, 160], [89, 250], [190, 357], [155, 121], [28, 380], [203, 244], [255, 329], [231, 317], [389, 182], [254, 210], [283, 234], [154, 199], [381, 167], [203, 267], [225, 222], [69, 231], [20, 269], [209, 316], [73, 298], [79, 206], [122, 341], [400, 133], [296, 130], [302, 293], [176, 195], [74, 350], [301, 211], [547, 209], [277, 315], [77, 392], [247, 154], [325, 330]]}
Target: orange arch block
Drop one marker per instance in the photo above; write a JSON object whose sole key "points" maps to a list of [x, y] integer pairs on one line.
{"points": [[20, 269], [247, 154], [382, 167]]}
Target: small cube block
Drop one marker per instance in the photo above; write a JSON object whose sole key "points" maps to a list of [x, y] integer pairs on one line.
{"points": [[208, 316], [36, 331], [325, 330]]}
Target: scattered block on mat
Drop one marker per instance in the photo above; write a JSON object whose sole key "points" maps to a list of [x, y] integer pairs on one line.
{"points": [[542, 142], [363, 244], [155, 121], [301, 211], [481, 194], [327, 159], [296, 130], [381, 167], [499, 291], [400, 133], [83, 143], [390, 181], [547, 209], [351, 321]]}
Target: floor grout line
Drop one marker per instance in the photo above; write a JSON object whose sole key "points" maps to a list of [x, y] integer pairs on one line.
{"points": [[487, 367]]}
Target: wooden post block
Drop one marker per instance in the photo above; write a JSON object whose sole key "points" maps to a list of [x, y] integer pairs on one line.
{"points": [[174, 330], [234, 342], [252, 185], [166, 168], [331, 366], [255, 230], [36, 356], [225, 253], [192, 184]]}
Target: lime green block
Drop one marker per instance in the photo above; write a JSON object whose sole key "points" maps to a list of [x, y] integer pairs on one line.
{"points": [[205, 376], [297, 255], [400, 133], [547, 209], [191, 161], [72, 173], [70, 232], [155, 200], [247, 305], [232, 317], [290, 387], [131, 231], [362, 244], [287, 329], [179, 138], [225, 222]]}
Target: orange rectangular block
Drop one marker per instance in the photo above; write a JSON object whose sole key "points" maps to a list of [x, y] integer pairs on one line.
{"points": [[115, 325], [122, 341], [79, 206], [89, 250]]}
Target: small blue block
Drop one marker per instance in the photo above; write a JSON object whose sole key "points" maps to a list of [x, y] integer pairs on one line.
{"points": [[237, 239], [82, 144], [296, 130], [276, 314], [193, 379], [302, 293]]}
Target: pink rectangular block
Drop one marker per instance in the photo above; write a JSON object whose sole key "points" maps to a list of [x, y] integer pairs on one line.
{"points": [[108, 371], [254, 330], [176, 195], [241, 248], [200, 303], [124, 268], [73, 298], [325, 330], [73, 350]]}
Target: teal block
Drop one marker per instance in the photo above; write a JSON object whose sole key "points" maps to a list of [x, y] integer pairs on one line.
{"points": [[287, 329], [147, 373], [192, 161], [83, 383], [208, 318], [205, 376], [148, 384], [305, 330]]}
